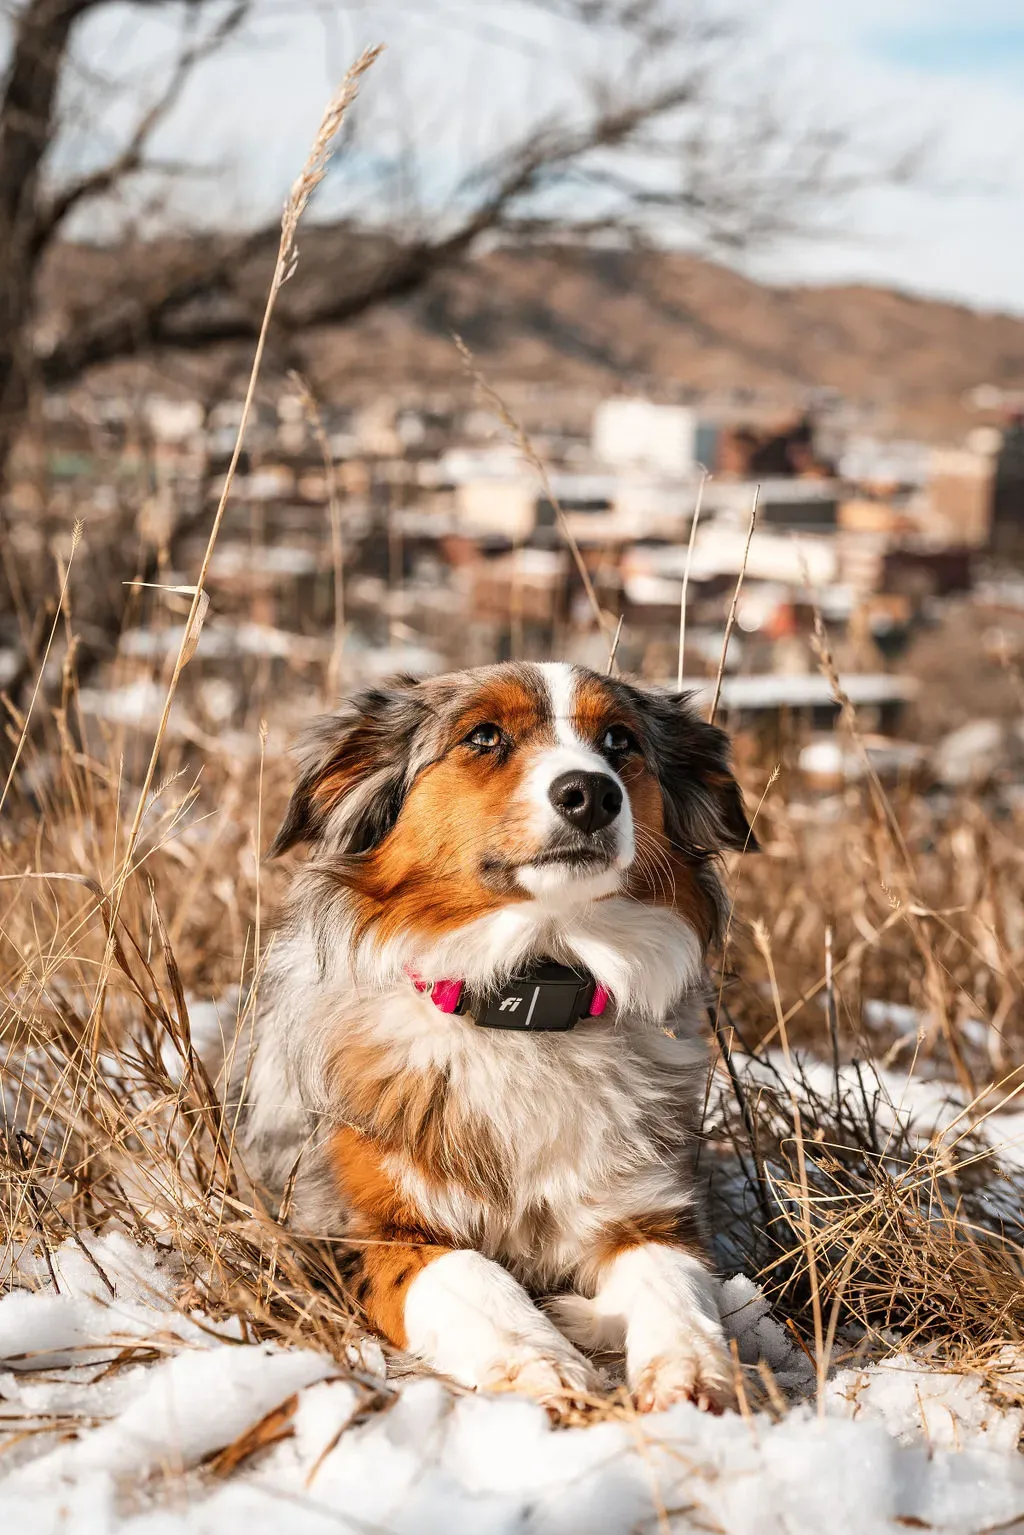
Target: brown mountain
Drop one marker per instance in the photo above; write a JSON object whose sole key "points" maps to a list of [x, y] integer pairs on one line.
{"points": [[601, 319], [604, 319]]}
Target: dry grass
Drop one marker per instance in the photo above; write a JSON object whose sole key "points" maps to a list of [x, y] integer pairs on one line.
{"points": [[118, 1119], [124, 1122], [109, 1111], [868, 1231], [942, 933], [896, 1242]]}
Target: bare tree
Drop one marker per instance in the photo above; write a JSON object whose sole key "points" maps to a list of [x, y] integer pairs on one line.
{"points": [[32, 212], [646, 138], [648, 132]]}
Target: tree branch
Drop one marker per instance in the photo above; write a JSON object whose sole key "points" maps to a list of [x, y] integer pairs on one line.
{"points": [[131, 159], [180, 314]]}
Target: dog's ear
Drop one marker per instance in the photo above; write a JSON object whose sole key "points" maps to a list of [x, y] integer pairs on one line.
{"points": [[704, 810], [354, 769]]}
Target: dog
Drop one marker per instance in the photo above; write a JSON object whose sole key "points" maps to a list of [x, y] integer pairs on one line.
{"points": [[477, 1051]]}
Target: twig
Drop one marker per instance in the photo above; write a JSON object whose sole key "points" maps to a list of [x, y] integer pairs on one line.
{"points": [[516, 635], [259, 852], [686, 576], [821, 1361], [533, 458], [830, 1014], [76, 536], [615, 645], [746, 1114], [732, 611], [312, 174]]}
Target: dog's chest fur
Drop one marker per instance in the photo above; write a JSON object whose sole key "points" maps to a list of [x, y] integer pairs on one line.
{"points": [[563, 1133], [521, 1145]]}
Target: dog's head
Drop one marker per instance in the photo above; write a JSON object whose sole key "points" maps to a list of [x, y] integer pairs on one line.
{"points": [[441, 801]]}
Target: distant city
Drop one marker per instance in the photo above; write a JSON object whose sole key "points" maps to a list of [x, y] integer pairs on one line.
{"points": [[452, 545]]}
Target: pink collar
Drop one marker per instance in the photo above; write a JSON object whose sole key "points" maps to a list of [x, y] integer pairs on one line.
{"points": [[445, 995], [550, 997]]}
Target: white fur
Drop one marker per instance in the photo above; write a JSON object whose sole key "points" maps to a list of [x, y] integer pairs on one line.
{"points": [[571, 1130], [571, 752], [468, 1318], [560, 680], [568, 1110], [660, 1304]]}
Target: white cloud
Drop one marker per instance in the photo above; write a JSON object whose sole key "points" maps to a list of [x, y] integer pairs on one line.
{"points": [[959, 233]]}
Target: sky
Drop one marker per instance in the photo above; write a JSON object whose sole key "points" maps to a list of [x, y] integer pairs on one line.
{"points": [[936, 73], [954, 73]]}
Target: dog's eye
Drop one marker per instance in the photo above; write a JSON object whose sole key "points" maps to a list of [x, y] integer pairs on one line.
{"points": [[617, 741], [484, 738]]}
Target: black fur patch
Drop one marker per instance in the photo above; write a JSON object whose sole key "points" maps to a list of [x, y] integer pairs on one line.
{"points": [[354, 769], [704, 811]]}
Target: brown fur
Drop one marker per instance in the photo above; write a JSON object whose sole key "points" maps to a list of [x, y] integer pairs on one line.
{"points": [[395, 1246], [662, 875], [412, 1115], [426, 876], [669, 1228]]}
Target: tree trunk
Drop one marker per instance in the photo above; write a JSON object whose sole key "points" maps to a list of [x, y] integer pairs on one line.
{"points": [[27, 122]]}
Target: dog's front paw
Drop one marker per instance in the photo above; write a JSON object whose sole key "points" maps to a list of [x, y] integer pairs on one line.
{"points": [[468, 1318], [557, 1379], [698, 1370]]}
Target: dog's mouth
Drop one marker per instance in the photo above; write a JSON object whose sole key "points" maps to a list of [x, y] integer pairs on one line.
{"points": [[571, 859]]}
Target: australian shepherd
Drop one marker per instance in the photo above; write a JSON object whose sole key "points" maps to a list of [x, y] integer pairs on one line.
{"points": [[477, 1055]]}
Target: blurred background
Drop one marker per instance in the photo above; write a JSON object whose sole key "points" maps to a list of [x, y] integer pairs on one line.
{"points": [[697, 252], [686, 243]]}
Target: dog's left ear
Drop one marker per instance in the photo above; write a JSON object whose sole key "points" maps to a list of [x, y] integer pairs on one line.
{"points": [[704, 810]]}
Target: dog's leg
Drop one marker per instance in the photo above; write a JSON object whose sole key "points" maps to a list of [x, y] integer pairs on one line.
{"points": [[657, 1300], [452, 1307], [381, 1274], [467, 1317]]}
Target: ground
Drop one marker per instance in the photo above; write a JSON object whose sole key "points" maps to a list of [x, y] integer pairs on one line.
{"points": [[126, 1412]]}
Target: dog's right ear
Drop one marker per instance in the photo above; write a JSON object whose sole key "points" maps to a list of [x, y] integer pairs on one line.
{"points": [[354, 770]]}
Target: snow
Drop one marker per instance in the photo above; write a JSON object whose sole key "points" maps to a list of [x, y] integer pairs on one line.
{"points": [[115, 1397], [99, 1451], [220, 640], [79, 1321], [945, 1409], [214, 1028], [931, 1105], [194, 1404]]}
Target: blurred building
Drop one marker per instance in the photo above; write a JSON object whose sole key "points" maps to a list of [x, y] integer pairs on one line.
{"points": [[1007, 537], [960, 495], [638, 434]]}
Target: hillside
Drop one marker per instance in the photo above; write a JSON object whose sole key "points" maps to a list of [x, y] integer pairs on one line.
{"points": [[600, 319], [605, 318]]}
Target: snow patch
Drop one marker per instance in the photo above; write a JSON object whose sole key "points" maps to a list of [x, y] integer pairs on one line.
{"points": [[897, 1444]]}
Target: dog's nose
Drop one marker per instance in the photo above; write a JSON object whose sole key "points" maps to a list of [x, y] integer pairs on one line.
{"points": [[586, 800]]}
